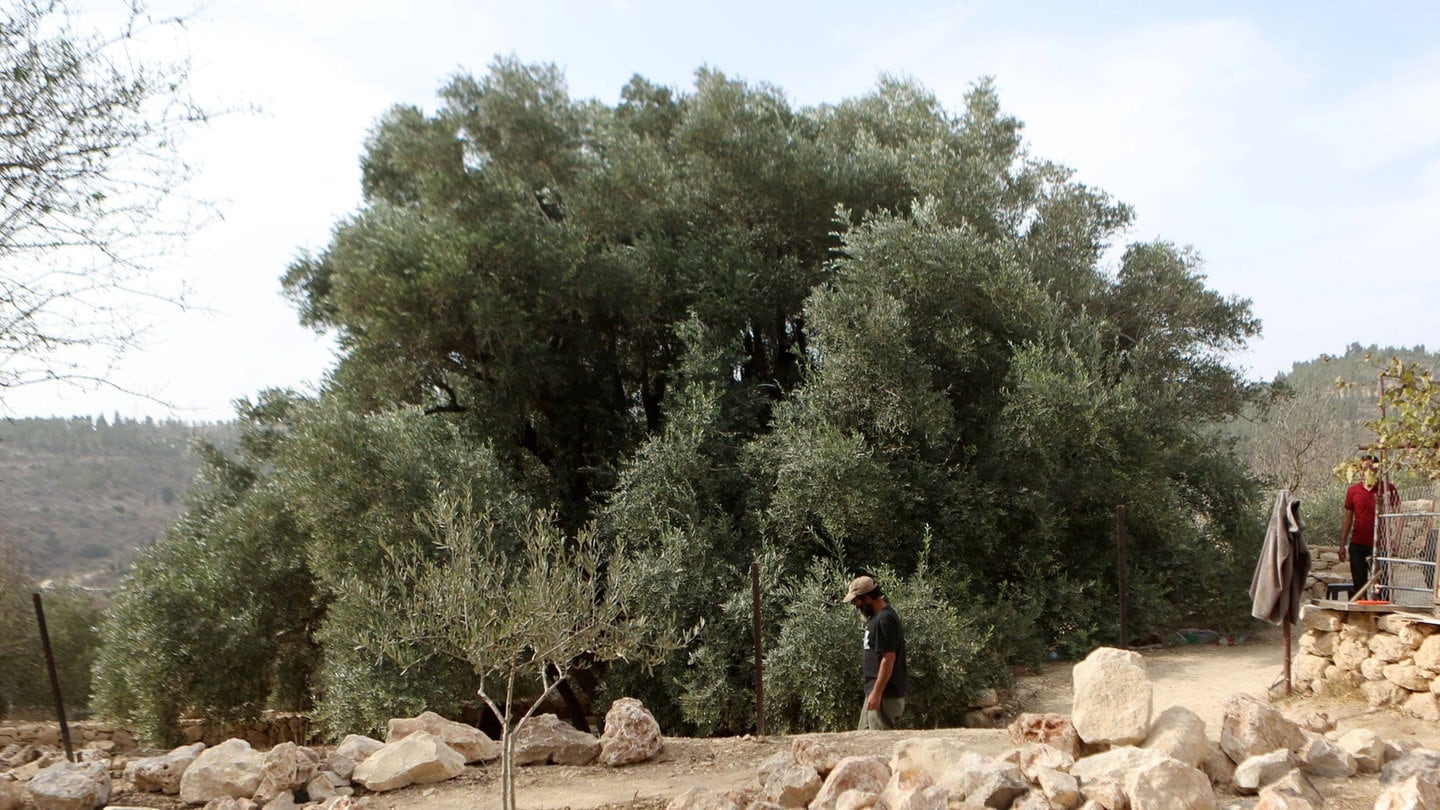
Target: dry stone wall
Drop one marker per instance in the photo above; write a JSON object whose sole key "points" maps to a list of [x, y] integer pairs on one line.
{"points": [[1326, 569], [268, 731], [1393, 658]]}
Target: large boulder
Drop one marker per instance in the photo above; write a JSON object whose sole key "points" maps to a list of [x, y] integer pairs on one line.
{"points": [[1115, 763], [1168, 784], [989, 784], [914, 789], [794, 785], [544, 739], [1179, 733], [1251, 727], [1365, 746], [229, 770], [419, 758], [162, 774], [868, 774], [631, 734], [471, 742], [933, 755], [1260, 770], [70, 786], [1324, 758], [287, 768], [1113, 697], [356, 747]]}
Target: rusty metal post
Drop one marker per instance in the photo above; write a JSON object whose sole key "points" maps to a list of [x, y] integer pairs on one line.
{"points": [[759, 651], [1287, 653], [1123, 581], [54, 678]]}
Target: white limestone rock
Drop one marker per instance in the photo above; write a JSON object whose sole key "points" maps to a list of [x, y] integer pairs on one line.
{"points": [[1291, 792], [700, 798], [1115, 762], [1365, 746], [1059, 787], [471, 742], [914, 789], [1262, 769], [990, 784], [821, 755], [1324, 621], [1179, 733], [162, 774], [1424, 705], [1250, 727], [1113, 697], [1321, 757], [936, 756], [545, 738], [1306, 668], [356, 747], [1388, 647], [794, 785], [1034, 757], [868, 774], [69, 786], [419, 758], [1168, 785], [230, 770], [1427, 656]]}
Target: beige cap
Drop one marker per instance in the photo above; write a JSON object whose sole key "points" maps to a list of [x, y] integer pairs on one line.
{"points": [[859, 586]]}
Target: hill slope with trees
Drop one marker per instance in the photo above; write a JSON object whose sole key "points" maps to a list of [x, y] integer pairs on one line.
{"points": [[82, 496]]}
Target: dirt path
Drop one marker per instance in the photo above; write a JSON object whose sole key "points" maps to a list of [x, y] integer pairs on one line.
{"points": [[1199, 677]]}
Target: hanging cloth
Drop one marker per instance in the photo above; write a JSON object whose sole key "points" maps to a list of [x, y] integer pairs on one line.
{"points": [[1278, 586]]}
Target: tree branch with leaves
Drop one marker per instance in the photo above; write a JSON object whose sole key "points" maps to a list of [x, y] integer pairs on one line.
{"points": [[518, 604], [90, 133]]}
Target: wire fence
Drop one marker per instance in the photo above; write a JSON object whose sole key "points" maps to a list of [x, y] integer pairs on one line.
{"points": [[1405, 545]]}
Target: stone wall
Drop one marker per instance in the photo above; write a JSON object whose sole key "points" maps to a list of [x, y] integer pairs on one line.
{"points": [[83, 734], [1393, 658], [270, 730], [1325, 569]]}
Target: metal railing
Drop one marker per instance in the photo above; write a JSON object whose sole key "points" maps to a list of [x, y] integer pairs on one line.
{"points": [[1405, 547]]}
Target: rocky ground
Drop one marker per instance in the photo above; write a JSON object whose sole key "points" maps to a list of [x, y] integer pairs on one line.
{"points": [[1199, 677]]}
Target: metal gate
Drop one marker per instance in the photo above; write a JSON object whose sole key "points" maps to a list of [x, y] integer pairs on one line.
{"points": [[1405, 535]]}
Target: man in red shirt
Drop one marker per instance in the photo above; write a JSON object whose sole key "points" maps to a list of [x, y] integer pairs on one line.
{"points": [[1358, 524]]}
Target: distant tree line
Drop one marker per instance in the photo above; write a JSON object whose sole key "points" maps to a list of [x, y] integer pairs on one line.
{"points": [[701, 329]]}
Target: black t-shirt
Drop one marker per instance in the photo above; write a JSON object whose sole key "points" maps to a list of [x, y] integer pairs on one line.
{"points": [[883, 634]]}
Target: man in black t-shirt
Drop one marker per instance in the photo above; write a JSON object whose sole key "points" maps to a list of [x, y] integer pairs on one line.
{"points": [[882, 664]]}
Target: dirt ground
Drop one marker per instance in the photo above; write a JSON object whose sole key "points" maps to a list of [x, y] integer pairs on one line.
{"points": [[1198, 676]]}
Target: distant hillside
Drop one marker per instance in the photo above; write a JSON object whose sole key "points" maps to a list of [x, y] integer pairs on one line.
{"points": [[1311, 425], [84, 495]]}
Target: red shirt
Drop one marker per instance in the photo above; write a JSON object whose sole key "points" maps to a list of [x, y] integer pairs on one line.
{"points": [[1361, 501]]}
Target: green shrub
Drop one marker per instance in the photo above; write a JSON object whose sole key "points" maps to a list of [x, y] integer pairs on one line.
{"points": [[812, 676]]}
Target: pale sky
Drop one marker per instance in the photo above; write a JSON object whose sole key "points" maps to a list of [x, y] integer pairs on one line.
{"points": [[1295, 145]]}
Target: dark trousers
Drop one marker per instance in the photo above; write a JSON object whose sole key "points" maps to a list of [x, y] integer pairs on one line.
{"points": [[1360, 567]]}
